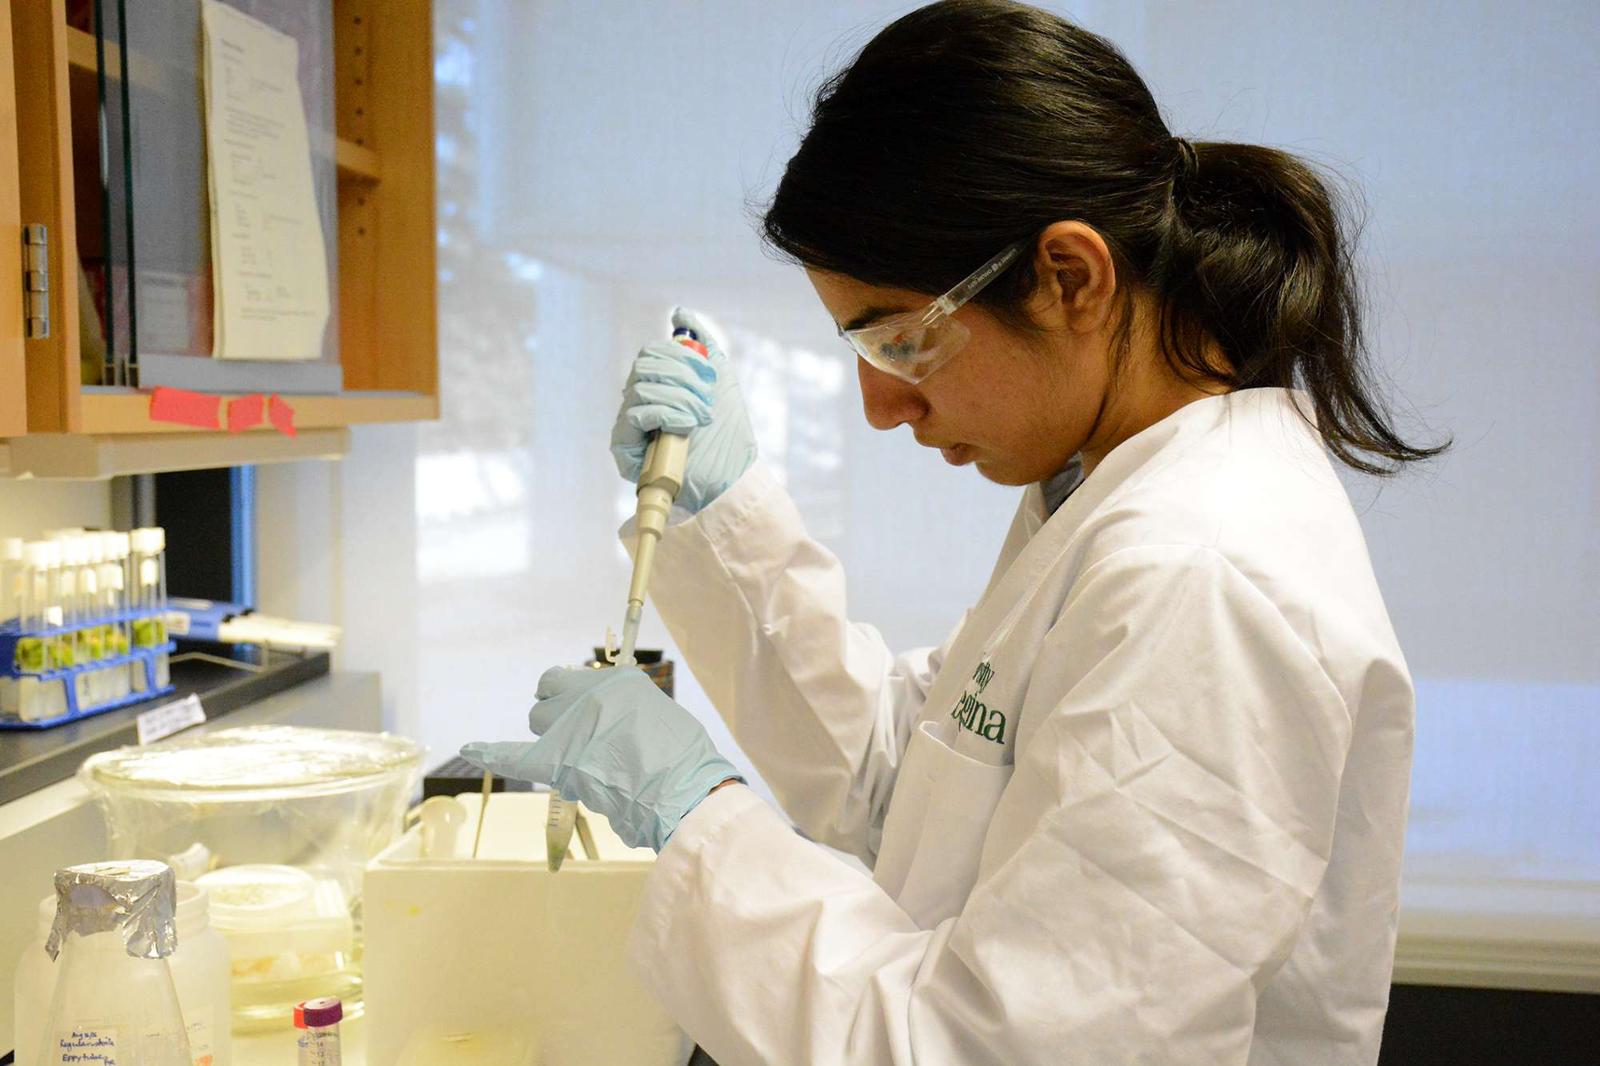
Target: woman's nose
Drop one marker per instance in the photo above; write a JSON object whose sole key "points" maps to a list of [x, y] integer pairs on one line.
{"points": [[888, 401]]}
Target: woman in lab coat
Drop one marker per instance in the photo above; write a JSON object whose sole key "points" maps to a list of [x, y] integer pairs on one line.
{"points": [[1146, 803]]}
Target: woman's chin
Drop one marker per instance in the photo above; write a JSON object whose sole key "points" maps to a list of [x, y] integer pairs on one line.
{"points": [[1000, 472]]}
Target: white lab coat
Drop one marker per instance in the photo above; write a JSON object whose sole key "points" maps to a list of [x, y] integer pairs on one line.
{"points": [[1145, 806]]}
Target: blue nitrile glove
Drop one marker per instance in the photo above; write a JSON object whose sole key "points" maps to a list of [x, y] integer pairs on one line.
{"points": [[615, 741], [674, 389]]}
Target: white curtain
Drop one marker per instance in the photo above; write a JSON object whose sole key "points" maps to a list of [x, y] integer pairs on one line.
{"points": [[595, 167]]}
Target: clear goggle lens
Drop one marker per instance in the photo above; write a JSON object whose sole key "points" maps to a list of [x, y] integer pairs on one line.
{"points": [[909, 346]]}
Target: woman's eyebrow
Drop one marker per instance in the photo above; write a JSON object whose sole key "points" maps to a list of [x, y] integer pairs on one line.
{"points": [[869, 316]]}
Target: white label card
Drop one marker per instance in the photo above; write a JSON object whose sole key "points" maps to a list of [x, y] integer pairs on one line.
{"points": [[170, 718]]}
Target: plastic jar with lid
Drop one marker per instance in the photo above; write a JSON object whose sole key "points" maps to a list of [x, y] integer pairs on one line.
{"points": [[200, 971], [290, 936]]}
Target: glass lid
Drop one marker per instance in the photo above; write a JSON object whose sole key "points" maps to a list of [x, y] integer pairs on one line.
{"points": [[251, 758]]}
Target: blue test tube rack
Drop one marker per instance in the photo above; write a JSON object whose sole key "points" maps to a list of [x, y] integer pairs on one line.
{"points": [[140, 663]]}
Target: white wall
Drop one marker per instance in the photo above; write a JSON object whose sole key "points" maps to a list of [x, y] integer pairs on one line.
{"points": [[29, 507], [337, 543]]}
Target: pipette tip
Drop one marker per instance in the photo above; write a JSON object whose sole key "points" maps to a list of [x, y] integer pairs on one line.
{"points": [[630, 635]]}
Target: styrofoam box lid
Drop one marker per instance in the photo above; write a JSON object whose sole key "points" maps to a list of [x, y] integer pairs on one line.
{"points": [[513, 832]]}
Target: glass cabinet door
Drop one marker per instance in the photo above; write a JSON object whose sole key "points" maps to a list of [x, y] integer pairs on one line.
{"points": [[143, 204]]}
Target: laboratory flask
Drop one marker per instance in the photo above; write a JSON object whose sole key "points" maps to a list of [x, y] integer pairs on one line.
{"points": [[200, 971], [114, 998]]}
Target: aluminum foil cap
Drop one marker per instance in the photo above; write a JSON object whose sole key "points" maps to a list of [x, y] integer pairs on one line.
{"points": [[137, 899]]}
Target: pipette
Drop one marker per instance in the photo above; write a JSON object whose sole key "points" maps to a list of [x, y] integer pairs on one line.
{"points": [[660, 478], [659, 481]]}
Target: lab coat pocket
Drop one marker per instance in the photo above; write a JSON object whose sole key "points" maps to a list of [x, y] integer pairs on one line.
{"points": [[933, 835]]}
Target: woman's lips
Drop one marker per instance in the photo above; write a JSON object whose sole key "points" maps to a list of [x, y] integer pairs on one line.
{"points": [[957, 454]]}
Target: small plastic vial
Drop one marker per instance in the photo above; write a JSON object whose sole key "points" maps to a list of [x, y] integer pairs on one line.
{"points": [[318, 1022]]}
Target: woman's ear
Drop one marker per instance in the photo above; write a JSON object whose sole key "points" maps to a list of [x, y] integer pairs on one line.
{"points": [[1077, 278]]}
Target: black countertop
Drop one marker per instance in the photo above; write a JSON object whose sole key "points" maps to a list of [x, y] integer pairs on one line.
{"points": [[32, 759]]}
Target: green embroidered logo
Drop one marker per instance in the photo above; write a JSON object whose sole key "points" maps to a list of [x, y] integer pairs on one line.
{"points": [[973, 715]]}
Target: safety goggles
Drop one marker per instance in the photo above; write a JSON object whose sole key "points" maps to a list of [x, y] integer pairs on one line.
{"points": [[913, 344]]}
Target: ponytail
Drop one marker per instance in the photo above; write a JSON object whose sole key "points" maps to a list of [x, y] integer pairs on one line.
{"points": [[970, 124], [1256, 256]]}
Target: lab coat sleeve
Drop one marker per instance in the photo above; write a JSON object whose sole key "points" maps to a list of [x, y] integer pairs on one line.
{"points": [[1148, 867], [821, 704]]}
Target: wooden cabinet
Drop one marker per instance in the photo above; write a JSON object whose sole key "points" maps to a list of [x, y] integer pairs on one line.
{"points": [[386, 306], [13, 395]]}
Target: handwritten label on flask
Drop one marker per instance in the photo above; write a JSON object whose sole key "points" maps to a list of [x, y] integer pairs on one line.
{"points": [[90, 1047]]}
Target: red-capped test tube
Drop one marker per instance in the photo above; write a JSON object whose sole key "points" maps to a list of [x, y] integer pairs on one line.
{"points": [[318, 1023]]}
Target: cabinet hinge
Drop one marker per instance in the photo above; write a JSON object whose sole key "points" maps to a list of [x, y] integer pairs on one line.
{"points": [[35, 282]]}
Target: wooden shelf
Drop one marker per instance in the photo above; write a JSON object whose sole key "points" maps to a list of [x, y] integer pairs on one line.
{"points": [[83, 54], [105, 412], [97, 456], [355, 162]]}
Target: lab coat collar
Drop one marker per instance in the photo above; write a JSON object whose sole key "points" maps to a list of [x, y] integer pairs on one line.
{"points": [[1038, 540], [1063, 483], [1132, 454]]}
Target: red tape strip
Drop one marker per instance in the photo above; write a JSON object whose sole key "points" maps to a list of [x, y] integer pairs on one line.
{"points": [[281, 415], [246, 412], [185, 408]]}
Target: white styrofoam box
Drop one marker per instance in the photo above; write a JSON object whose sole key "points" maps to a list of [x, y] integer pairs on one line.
{"points": [[497, 960]]}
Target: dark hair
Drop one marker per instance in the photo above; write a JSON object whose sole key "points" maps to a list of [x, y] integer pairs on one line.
{"points": [[971, 124]]}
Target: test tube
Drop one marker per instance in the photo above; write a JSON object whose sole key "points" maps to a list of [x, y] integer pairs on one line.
{"points": [[159, 543], [121, 551], [41, 612], [47, 595], [317, 1042], [88, 637], [74, 648], [140, 634], [63, 646], [94, 606], [142, 569], [111, 582], [118, 548], [32, 596], [147, 567], [96, 631]]}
